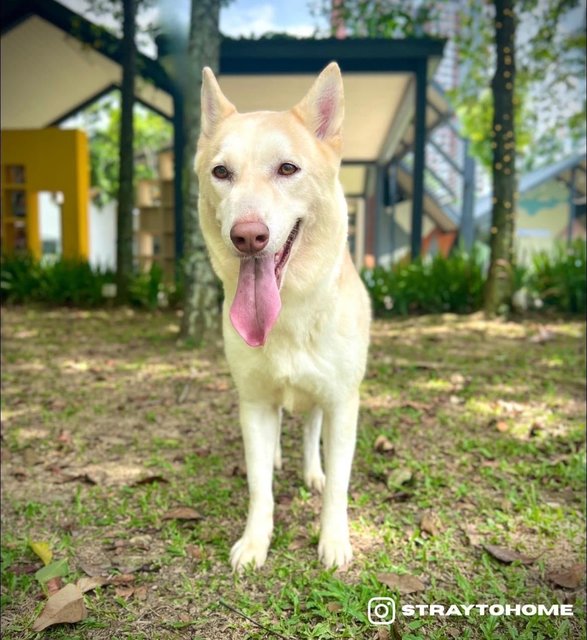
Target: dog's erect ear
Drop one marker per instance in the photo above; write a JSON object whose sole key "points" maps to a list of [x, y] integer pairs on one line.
{"points": [[322, 109], [215, 106]]}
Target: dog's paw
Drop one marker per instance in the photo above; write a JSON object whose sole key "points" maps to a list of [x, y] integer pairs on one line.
{"points": [[315, 480], [334, 552], [248, 551]]}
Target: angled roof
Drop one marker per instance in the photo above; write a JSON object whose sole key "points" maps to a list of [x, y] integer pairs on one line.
{"points": [[54, 62]]}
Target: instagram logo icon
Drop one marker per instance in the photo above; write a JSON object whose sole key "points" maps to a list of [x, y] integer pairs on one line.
{"points": [[381, 611]]}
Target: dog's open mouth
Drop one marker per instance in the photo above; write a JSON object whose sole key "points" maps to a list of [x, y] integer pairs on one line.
{"points": [[257, 302], [282, 255]]}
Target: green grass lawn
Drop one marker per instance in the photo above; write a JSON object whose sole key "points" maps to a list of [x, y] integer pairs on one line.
{"points": [[107, 425]]}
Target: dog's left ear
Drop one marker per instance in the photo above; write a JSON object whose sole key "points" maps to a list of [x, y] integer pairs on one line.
{"points": [[215, 105], [322, 109]]}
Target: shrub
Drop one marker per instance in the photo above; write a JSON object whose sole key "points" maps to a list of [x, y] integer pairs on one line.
{"points": [[145, 288], [428, 285], [558, 277], [75, 283], [20, 278]]}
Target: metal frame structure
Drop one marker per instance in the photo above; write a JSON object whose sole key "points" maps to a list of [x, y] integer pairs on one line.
{"points": [[284, 56]]}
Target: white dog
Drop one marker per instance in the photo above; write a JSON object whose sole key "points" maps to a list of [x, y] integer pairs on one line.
{"points": [[296, 314]]}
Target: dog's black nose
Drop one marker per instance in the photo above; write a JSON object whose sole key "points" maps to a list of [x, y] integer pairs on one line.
{"points": [[249, 237]]}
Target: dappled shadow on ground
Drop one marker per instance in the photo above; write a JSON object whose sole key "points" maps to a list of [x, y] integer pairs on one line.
{"points": [[108, 425]]}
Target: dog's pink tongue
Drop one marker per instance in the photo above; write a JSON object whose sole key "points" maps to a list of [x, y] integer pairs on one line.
{"points": [[257, 303]]}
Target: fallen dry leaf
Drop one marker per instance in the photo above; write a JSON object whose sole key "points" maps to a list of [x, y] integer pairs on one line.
{"points": [[298, 542], [508, 555], [334, 607], [23, 569], [458, 381], [93, 570], [502, 426], [67, 605], [417, 406], [404, 583], [569, 578], [383, 445], [43, 550], [193, 551], [399, 476], [511, 407], [428, 524], [86, 584], [110, 474], [140, 593], [64, 437], [182, 513], [473, 536], [124, 592], [54, 585]]}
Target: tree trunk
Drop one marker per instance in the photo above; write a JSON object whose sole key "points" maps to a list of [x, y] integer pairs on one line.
{"points": [[201, 313], [124, 257], [499, 286]]}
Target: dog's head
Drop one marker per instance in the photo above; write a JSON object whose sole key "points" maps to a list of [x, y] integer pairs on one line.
{"points": [[271, 207]]}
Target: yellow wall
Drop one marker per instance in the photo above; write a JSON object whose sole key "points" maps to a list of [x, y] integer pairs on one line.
{"points": [[542, 218], [54, 160]]}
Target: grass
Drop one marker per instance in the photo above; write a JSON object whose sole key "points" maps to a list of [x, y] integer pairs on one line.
{"points": [[488, 430]]}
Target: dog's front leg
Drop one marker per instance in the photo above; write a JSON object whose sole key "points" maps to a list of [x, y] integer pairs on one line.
{"points": [[313, 474], [340, 430], [260, 426]]}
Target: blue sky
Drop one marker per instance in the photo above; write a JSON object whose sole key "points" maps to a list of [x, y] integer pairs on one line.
{"points": [[243, 17], [239, 18]]}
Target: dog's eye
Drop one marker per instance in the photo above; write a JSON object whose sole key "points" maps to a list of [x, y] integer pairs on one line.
{"points": [[287, 169], [221, 172]]}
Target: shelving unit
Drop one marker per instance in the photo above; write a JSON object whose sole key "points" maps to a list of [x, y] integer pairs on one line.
{"points": [[20, 232], [156, 230], [36, 160]]}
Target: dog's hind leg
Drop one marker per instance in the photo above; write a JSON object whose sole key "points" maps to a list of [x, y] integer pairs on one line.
{"points": [[313, 474], [260, 425], [340, 430], [277, 461]]}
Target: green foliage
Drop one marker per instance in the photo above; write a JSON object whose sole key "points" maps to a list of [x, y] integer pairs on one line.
{"points": [[550, 70], [62, 282], [377, 18], [455, 284], [436, 285], [102, 121], [558, 277], [145, 287], [75, 283]]}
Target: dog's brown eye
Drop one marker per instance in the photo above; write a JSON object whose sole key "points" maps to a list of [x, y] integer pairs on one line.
{"points": [[221, 172], [287, 169]]}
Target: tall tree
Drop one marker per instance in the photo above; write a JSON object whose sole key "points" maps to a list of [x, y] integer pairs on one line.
{"points": [[513, 119], [124, 242], [201, 312], [499, 285]]}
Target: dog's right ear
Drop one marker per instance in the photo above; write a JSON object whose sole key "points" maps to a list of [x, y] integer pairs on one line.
{"points": [[322, 109], [215, 106]]}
